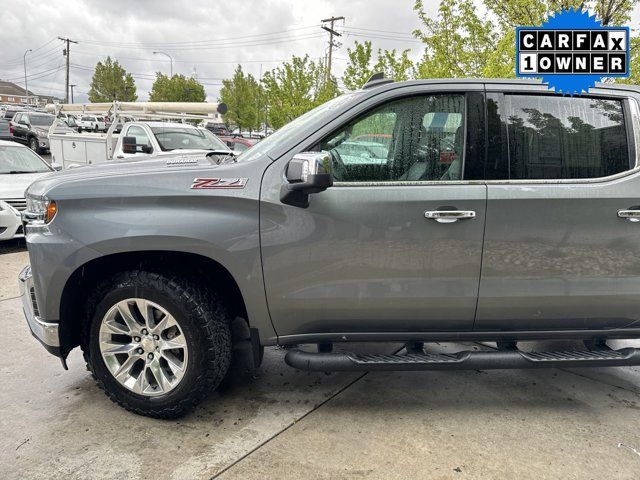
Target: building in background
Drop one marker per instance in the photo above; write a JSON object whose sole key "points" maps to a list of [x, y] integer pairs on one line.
{"points": [[10, 93]]}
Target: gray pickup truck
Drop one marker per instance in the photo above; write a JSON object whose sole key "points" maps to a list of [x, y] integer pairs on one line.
{"points": [[413, 212]]}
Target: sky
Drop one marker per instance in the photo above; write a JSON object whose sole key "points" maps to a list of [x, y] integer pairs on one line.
{"points": [[204, 38]]}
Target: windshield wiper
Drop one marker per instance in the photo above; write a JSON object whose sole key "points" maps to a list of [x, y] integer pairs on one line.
{"points": [[19, 171]]}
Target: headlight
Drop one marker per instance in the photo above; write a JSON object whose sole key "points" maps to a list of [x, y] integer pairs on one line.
{"points": [[39, 211], [41, 134]]}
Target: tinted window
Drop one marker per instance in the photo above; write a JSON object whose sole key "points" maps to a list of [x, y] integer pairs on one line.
{"points": [[412, 139], [565, 138]]}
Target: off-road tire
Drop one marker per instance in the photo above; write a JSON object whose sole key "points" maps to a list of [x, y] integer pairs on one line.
{"points": [[205, 324]]}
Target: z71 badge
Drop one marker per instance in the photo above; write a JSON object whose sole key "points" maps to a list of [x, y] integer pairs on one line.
{"points": [[211, 183]]}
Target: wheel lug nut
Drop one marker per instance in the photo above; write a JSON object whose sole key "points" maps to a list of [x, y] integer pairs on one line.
{"points": [[137, 339], [156, 337], [144, 331], [140, 351], [150, 356]]}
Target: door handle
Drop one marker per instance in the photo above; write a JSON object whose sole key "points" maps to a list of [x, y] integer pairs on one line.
{"points": [[449, 216], [631, 215]]}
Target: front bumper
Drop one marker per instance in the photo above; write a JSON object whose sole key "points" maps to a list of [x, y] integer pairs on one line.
{"points": [[10, 222], [46, 332]]}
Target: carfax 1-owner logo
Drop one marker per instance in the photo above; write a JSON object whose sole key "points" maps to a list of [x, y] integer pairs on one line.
{"points": [[572, 51]]}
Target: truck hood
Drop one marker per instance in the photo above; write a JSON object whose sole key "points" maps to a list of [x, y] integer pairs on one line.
{"points": [[108, 173], [14, 185]]}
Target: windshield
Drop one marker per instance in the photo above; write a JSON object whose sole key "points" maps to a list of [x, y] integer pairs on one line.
{"points": [[41, 120], [175, 138], [292, 128], [21, 160]]}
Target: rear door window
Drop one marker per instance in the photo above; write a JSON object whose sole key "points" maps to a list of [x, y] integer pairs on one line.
{"points": [[565, 137]]}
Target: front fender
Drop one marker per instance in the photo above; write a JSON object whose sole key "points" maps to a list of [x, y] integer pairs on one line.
{"points": [[224, 229]]}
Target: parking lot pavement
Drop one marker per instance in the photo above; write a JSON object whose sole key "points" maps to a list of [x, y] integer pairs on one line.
{"points": [[10, 266], [289, 424], [528, 424], [58, 424]]}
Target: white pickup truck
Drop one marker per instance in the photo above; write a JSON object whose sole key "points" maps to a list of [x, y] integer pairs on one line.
{"points": [[137, 139]]}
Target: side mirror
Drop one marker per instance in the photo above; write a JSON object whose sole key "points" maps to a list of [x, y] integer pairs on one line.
{"points": [[129, 145], [56, 166], [306, 173]]}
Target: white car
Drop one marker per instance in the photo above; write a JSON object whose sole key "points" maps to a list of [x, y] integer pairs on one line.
{"points": [[91, 123], [19, 168]]}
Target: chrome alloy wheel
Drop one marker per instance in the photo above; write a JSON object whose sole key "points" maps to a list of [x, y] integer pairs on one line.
{"points": [[143, 347]]}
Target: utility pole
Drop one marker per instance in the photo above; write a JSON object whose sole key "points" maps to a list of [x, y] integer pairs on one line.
{"points": [[66, 52], [332, 32], [26, 87], [71, 86]]}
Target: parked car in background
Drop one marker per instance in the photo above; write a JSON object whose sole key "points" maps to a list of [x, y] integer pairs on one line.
{"points": [[6, 131], [159, 138], [19, 167], [215, 127], [91, 123], [32, 129], [238, 143], [137, 140], [70, 120], [10, 112]]}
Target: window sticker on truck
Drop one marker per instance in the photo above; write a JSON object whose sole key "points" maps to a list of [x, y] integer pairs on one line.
{"points": [[211, 183], [572, 51]]}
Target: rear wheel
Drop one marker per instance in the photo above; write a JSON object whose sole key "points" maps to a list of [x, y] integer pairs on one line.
{"points": [[157, 344]]}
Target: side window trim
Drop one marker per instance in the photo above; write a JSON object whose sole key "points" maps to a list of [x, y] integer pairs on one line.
{"points": [[631, 117], [631, 138]]}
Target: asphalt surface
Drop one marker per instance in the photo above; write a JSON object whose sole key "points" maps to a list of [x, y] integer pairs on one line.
{"points": [[536, 424]]}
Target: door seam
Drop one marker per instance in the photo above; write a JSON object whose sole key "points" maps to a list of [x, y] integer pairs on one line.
{"points": [[484, 232]]}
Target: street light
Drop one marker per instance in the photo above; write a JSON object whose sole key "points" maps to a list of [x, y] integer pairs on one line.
{"points": [[26, 87], [170, 59]]}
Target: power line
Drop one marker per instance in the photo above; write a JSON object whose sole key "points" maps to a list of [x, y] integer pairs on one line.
{"points": [[32, 75], [381, 37], [350, 27], [192, 61], [195, 43]]}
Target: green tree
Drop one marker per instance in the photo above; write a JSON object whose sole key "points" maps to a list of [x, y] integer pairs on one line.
{"points": [[466, 41], [112, 82], [176, 89], [459, 41], [295, 88], [360, 68], [243, 96]]}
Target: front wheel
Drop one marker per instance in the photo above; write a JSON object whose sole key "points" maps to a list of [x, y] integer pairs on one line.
{"points": [[157, 344], [33, 144]]}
